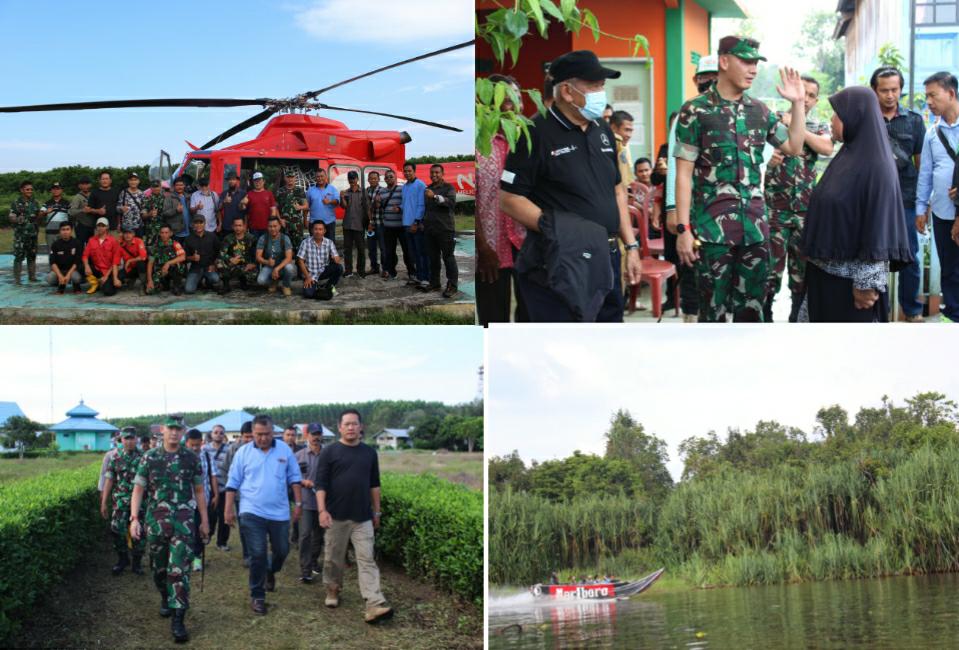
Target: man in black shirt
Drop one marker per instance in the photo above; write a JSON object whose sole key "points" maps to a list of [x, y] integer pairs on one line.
{"points": [[906, 132], [202, 251], [65, 260], [103, 200], [348, 500], [439, 228], [571, 166], [56, 203]]}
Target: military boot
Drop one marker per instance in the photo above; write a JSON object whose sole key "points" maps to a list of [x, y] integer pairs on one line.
{"points": [[137, 561], [32, 270], [123, 560], [768, 310], [17, 272], [797, 299], [180, 635], [165, 610]]}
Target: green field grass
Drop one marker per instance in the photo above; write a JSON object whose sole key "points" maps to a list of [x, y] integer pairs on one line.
{"points": [[14, 469], [464, 468]]}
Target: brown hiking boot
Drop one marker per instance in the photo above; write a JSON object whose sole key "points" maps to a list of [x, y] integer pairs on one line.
{"points": [[332, 596], [376, 613]]}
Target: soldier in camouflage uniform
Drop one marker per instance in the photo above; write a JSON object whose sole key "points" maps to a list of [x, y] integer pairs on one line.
{"points": [[291, 202], [166, 251], [152, 210], [720, 136], [170, 478], [119, 477], [789, 184], [238, 257], [26, 215]]}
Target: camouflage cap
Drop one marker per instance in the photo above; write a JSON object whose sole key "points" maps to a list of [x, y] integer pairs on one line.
{"points": [[290, 172], [128, 432], [173, 422], [746, 49]]}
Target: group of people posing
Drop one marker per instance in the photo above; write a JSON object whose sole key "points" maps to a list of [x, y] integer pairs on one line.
{"points": [[741, 194], [183, 239], [167, 498]]}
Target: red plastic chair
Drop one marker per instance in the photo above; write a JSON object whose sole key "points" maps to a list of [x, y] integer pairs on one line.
{"points": [[657, 247], [655, 271]]}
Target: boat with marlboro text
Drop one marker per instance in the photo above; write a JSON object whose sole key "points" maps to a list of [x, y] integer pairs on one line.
{"points": [[596, 590]]}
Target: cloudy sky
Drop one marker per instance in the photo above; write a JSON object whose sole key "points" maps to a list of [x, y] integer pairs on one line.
{"points": [[122, 371], [54, 51], [550, 395]]}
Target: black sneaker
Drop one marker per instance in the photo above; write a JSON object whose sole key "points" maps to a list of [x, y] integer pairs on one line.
{"points": [[307, 579], [270, 581], [61, 289], [258, 605]]}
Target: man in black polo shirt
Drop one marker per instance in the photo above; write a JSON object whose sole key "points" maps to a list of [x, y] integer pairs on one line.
{"points": [[571, 167], [202, 251], [103, 200], [65, 260], [906, 132]]}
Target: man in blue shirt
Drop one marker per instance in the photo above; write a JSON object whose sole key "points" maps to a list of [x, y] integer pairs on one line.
{"points": [[935, 189], [260, 473], [323, 199], [414, 208]]}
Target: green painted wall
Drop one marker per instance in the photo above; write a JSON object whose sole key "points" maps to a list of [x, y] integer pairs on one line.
{"points": [[675, 49]]}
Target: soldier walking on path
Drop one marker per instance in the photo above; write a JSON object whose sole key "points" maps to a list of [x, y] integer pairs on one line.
{"points": [[789, 184], [720, 136], [171, 478], [25, 216], [119, 481]]}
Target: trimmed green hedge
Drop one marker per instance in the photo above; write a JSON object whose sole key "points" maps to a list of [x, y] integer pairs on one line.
{"points": [[434, 528], [47, 524]]}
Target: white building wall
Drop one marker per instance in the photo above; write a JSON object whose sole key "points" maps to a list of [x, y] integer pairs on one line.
{"points": [[875, 23]]}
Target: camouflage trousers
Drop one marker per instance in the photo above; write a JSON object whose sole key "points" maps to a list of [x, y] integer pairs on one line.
{"points": [[173, 278], [119, 526], [237, 273], [785, 237], [152, 232], [732, 280], [24, 244], [171, 555]]}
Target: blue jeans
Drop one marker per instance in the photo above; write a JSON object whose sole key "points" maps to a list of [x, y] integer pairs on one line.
{"points": [[287, 273], [255, 530], [417, 243], [375, 244], [196, 274], [909, 276], [948, 252]]}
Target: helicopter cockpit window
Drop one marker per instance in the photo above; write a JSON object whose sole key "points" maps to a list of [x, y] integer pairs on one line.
{"points": [[375, 168], [338, 178]]}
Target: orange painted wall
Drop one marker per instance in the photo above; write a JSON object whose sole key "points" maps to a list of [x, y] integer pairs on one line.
{"points": [[646, 17], [697, 40]]}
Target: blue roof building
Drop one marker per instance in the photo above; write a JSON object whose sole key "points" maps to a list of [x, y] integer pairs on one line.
{"points": [[231, 421], [82, 431], [9, 410]]}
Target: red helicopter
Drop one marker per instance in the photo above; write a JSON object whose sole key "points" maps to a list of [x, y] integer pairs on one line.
{"points": [[292, 140]]}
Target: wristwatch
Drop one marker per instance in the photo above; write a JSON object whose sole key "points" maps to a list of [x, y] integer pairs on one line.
{"points": [[377, 514], [633, 246], [681, 228]]}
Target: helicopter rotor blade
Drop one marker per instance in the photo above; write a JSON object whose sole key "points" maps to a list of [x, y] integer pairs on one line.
{"points": [[398, 117], [315, 93], [133, 103], [242, 126]]}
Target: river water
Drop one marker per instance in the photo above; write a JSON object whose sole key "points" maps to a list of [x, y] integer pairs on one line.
{"points": [[900, 612]]}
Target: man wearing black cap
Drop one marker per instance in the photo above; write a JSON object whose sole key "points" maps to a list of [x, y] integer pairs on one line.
{"points": [[311, 535], [202, 251], [230, 203], [57, 203], [356, 219], [720, 136], [81, 215], [571, 167], [130, 205]]}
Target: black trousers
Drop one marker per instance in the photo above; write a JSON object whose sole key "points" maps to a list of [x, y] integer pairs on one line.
{"points": [[354, 239], [493, 299], [139, 270], [830, 300], [218, 524], [685, 276], [440, 245], [547, 306], [391, 237]]}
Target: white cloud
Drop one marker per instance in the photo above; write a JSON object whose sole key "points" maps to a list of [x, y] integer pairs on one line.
{"points": [[378, 21]]}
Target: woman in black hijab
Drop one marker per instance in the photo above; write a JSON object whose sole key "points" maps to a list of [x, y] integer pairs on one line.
{"points": [[855, 230]]}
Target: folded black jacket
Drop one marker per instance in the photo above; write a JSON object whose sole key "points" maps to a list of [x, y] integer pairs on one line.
{"points": [[570, 256]]}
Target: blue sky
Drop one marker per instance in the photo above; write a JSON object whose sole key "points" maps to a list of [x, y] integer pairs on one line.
{"points": [[121, 371], [57, 51], [550, 395]]}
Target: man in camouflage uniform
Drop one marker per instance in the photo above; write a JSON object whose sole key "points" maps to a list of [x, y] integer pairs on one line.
{"points": [[291, 203], [26, 215], [238, 257], [151, 215], [789, 185], [720, 136], [119, 479], [171, 478], [165, 265]]}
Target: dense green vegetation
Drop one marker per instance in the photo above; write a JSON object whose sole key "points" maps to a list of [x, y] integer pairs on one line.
{"points": [[434, 529], [46, 525], [871, 497]]}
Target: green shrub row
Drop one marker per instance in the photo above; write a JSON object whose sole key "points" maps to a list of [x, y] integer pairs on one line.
{"points": [[434, 529], [47, 524]]}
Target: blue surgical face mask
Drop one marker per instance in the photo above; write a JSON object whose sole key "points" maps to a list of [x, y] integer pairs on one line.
{"points": [[595, 103]]}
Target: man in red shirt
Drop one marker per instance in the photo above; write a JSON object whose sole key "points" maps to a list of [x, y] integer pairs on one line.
{"points": [[133, 260], [104, 251], [259, 205]]}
